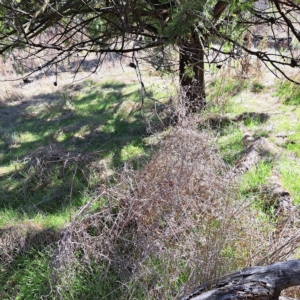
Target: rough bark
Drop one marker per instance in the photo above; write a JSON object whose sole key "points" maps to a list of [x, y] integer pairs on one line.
{"points": [[192, 58], [263, 283], [191, 74]]}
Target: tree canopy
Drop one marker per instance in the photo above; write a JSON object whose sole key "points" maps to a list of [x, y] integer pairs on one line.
{"points": [[203, 31]]}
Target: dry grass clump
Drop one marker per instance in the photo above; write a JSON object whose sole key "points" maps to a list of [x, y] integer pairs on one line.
{"points": [[53, 168], [7, 69], [10, 90], [45, 158], [172, 225]]}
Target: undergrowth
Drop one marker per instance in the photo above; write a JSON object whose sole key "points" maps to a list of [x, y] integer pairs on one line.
{"points": [[290, 175], [90, 211], [158, 223], [145, 235]]}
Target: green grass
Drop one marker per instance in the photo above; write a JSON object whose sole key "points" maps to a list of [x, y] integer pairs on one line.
{"points": [[252, 123], [289, 128], [251, 185], [27, 277], [42, 187], [11, 217], [95, 285], [225, 88], [288, 92], [293, 141], [231, 144], [233, 95], [103, 120], [257, 87], [253, 180], [289, 169]]}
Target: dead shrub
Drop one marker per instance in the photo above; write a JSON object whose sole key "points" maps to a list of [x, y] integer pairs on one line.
{"points": [[158, 223], [167, 227]]}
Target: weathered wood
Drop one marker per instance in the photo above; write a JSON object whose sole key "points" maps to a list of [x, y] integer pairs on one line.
{"points": [[263, 283]]}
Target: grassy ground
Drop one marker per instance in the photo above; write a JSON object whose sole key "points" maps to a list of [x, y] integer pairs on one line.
{"points": [[101, 200], [274, 110], [58, 146], [68, 139]]}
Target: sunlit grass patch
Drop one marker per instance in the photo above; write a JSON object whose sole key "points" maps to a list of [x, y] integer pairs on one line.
{"points": [[8, 216], [11, 217], [226, 87], [292, 143], [11, 166], [253, 180], [131, 151], [284, 124], [231, 143], [102, 121], [289, 169]]}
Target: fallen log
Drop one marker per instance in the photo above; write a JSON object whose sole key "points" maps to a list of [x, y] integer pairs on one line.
{"points": [[260, 283]]}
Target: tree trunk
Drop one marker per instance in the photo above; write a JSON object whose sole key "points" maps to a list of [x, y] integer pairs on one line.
{"points": [[191, 66], [191, 74], [260, 283]]}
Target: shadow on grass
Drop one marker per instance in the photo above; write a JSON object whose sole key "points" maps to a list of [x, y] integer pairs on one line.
{"points": [[51, 143]]}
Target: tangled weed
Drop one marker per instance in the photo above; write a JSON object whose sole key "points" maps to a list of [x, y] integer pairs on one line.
{"points": [[165, 228]]}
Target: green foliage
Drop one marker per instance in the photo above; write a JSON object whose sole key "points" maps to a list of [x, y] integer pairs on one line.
{"points": [[182, 20], [235, 29], [188, 72]]}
